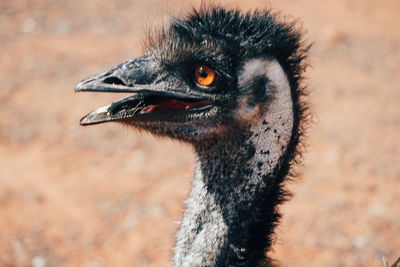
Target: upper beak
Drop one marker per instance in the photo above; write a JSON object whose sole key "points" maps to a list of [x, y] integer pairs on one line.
{"points": [[138, 76], [121, 78]]}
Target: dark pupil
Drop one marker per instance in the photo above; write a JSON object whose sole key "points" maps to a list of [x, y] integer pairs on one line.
{"points": [[203, 73]]}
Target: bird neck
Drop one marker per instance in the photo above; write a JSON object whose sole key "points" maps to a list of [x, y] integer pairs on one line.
{"points": [[232, 208]]}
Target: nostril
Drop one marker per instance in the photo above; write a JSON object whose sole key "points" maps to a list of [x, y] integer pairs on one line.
{"points": [[113, 80]]}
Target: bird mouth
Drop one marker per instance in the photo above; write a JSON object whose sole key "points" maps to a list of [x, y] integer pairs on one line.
{"points": [[146, 107]]}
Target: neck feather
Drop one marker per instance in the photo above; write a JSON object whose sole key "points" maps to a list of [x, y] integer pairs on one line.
{"points": [[231, 211]]}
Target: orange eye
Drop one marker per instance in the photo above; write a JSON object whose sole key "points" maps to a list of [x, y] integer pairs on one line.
{"points": [[204, 75]]}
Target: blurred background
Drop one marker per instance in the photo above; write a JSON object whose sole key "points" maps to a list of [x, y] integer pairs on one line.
{"points": [[108, 196]]}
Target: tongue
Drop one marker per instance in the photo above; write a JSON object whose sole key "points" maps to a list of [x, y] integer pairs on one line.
{"points": [[173, 104]]}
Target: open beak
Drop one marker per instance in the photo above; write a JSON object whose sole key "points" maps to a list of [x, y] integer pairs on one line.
{"points": [[150, 93]]}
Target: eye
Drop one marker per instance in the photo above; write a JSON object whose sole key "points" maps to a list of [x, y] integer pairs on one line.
{"points": [[204, 76]]}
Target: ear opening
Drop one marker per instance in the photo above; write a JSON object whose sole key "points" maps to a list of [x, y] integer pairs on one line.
{"points": [[261, 89], [259, 75]]}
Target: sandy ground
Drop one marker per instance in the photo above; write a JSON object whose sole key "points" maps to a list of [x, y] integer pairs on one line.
{"points": [[107, 196]]}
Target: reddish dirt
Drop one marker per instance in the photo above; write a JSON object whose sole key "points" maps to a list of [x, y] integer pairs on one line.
{"points": [[107, 196]]}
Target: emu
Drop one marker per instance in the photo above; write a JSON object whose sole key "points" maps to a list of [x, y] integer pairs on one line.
{"points": [[230, 84]]}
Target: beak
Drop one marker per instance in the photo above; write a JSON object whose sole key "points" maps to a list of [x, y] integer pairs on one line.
{"points": [[149, 88]]}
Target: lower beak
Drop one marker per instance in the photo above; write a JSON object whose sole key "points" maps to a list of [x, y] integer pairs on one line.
{"points": [[116, 111]]}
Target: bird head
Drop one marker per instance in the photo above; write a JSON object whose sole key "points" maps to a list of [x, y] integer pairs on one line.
{"points": [[206, 75]]}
